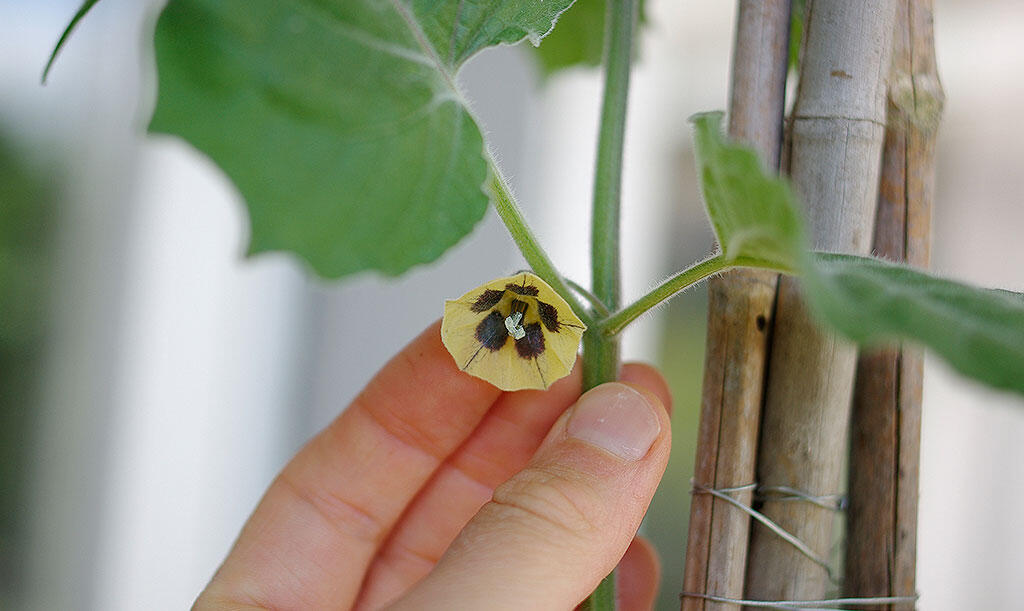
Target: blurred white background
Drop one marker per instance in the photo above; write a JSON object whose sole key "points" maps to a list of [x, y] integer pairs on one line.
{"points": [[179, 377]]}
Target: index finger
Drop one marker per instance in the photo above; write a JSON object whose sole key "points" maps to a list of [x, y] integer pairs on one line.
{"points": [[319, 525]]}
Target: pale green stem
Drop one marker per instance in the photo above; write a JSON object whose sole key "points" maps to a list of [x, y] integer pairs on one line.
{"points": [[620, 24], [599, 309], [615, 323], [601, 351]]}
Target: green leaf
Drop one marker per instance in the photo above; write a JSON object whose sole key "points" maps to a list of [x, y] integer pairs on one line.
{"points": [[339, 120], [82, 11], [980, 332], [754, 215], [579, 39]]}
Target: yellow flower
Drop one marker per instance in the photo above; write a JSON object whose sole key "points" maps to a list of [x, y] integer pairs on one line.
{"points": [[514, 332]]}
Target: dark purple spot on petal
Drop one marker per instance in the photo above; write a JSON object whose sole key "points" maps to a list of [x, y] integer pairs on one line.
{"points": [[531, 345], [487, 300], [491, 331], [523, 289], [549, 316]]}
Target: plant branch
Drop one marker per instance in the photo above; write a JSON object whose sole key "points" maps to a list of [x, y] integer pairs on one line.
{"points": [[600, 351], [599, 308], [615, 323], [620, 23], [530, 247]]}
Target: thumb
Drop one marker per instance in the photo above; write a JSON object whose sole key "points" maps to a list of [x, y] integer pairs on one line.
{"points": [[557, 527]]}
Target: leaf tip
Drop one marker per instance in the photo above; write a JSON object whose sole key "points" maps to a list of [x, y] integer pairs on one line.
{"points": [[82, 10]]}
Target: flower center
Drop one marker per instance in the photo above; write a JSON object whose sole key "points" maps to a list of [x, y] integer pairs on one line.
{"points": [[514, 325]]}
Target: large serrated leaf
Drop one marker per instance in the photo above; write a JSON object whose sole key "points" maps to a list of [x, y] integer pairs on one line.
{"points": [[980, 332], [754, 215], [339, 120]]}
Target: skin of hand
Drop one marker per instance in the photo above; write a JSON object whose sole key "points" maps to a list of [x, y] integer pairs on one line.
{"points": [[435, 490]]}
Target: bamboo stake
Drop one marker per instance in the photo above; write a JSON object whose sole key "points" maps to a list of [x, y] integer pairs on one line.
{"points": [[881, 549], [837, 131], [740, 306]]}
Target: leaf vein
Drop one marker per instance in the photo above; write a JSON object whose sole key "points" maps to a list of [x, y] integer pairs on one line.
{"points": [[366, 39], [417, 32], [455, 31]]}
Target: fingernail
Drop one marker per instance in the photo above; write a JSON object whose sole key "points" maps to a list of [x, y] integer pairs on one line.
{"points": [[616, 418]]}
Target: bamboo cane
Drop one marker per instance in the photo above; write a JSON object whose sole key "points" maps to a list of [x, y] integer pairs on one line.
{"points": [[740, 306], [885, 442], [837, 131]]}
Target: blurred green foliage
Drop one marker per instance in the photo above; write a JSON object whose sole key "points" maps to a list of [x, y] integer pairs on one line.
{"points": [[27, 214], [577, 41], [980, 332], [579, 38]]}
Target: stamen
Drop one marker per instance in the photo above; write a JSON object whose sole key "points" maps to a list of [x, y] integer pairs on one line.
{"points": [[515, 329]]}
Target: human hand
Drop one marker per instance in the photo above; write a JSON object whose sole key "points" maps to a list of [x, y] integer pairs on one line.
{"points": [[435, 490]]}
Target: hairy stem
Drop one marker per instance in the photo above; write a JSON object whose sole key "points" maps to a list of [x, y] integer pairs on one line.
{"points": [[615, 323], [599, 308], [601, 351], [620, 22]]}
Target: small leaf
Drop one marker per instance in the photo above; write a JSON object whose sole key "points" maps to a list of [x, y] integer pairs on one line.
{"points": [[339, 121], [82, 11], [980, 332], [754, 215]]}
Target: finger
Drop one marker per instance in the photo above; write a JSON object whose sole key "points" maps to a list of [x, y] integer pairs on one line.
{"points": [[638, 576], [646, 376], [554, 529], [500, 447], [316, 530]]}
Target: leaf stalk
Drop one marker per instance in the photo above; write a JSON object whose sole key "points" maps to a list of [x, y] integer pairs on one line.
{"points": [[690, 276]]}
